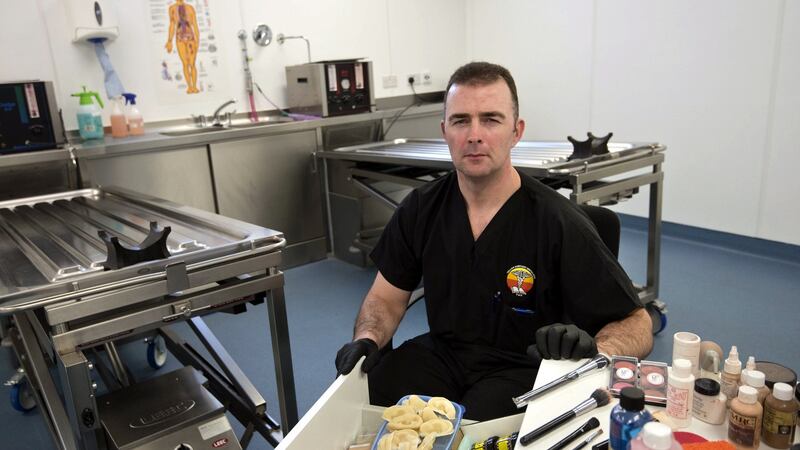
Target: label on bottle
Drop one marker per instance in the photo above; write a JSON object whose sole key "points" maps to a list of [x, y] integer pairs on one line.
{"points": [[778, 422], [677, 402], [743, 430], [729, 387]]}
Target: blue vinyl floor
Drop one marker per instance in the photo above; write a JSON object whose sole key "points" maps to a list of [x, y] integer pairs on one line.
{"points": [[716, 290]]}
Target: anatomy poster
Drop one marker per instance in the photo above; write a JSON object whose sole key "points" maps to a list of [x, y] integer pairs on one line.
{"points": [[186, 48]]}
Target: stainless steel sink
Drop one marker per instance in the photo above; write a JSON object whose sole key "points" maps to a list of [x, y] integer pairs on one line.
{"points": [[262, 121], [234, 125]]}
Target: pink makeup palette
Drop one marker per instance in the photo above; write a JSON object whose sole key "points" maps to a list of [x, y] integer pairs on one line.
{"points": [[649, 376]]}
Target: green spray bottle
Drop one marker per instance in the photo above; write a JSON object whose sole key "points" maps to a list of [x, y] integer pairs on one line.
{"points": [[90, 116]]}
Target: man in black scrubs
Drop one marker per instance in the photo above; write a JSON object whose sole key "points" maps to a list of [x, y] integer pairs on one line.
{"points": [[513, 271]]}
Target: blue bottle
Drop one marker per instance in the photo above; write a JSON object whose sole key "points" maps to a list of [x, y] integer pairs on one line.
{"points": [[628, 418]]}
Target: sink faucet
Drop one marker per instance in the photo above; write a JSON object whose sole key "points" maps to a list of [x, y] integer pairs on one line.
{"points": [[219, 109]]}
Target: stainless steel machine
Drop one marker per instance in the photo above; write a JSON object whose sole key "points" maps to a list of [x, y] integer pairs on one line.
{"points": [[29, 117], [87, 269], [595, 171], [330, 88]]}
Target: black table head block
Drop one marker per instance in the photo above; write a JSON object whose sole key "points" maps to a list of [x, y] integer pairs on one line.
{"points": [[593, 146], [153, 247]]}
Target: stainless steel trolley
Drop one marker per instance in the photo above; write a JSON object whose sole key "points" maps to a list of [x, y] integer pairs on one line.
{"points": [[601, 178], [73, 292]]}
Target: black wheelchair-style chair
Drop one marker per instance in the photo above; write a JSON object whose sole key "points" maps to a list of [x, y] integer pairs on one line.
{"points": [[607, 224]]}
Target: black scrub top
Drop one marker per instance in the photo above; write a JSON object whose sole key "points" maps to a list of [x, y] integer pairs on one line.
{"points": [[539, 261]]}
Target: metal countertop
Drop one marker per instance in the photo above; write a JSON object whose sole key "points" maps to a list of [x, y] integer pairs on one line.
{"points": [[153, 140]]}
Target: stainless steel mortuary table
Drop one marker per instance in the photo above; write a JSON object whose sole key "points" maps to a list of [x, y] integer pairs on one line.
{"points": [[599, 179], [72, 294]]}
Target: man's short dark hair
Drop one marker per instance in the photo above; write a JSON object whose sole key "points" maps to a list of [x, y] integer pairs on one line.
{"points": [[479, 73]]}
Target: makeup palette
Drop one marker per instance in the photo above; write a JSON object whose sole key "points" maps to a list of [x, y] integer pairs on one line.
{"points": [[649, 376]]}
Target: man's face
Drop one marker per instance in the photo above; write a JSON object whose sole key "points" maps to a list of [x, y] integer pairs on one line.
{"points": [[479, 128]]}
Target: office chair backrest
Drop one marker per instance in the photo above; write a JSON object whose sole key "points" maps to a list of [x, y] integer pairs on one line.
{"points": [[607, 224]]}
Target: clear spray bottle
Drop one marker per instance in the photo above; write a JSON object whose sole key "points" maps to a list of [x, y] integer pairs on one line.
{"points": [[132, 114]]}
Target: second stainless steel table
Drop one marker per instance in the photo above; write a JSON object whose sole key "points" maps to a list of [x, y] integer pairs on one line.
{"points": [[599, 179]]}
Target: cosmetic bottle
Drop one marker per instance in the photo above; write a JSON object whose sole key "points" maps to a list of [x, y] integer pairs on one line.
{"points": [[680, 392], [708, 404], [780, 417], [627, 418], [655, 436], [755, 379], [750, 365], [731, 371], [744, 420]]}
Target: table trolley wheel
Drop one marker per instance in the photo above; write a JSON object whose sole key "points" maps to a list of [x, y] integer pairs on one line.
{"points": [[22, 397], [156, 352]]}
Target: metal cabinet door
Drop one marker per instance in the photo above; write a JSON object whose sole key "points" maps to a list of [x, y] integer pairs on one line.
{"points": [[272, 182], [182, 176]]}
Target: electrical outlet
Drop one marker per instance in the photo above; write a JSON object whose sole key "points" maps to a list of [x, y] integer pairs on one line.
{"points": [[414, 79], [389, 81], [426, 77]]}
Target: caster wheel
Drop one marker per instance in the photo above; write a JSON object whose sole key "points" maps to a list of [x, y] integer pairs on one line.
{"points": [[157, 352], [22, 398]]}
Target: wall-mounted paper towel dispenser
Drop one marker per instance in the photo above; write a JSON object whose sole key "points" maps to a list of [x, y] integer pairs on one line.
{"points": [[91, 20]]}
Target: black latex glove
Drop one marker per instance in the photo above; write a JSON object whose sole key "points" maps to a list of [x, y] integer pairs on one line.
{"points": [[350, 353], [560, 341]]}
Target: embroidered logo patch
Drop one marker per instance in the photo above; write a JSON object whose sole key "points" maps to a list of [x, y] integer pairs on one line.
{"points": [[520, 280]]}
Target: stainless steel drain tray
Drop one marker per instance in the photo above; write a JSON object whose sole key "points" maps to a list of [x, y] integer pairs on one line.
{"points": [[51, 252]]}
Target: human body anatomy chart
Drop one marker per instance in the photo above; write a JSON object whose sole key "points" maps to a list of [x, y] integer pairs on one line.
{"points": [[186, 48]]}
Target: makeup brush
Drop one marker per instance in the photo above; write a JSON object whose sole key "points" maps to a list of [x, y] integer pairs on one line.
{"points": [[600, 397], [586, 441], [600, 361], [590, 424]]}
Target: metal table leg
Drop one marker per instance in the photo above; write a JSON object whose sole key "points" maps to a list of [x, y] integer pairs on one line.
{"points": [[78, 389], [284, 374], [27, 349], [654, 234]]}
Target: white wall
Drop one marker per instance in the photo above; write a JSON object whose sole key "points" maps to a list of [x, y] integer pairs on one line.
{"points": [[779, 208], [716, 81], [400, 37]]}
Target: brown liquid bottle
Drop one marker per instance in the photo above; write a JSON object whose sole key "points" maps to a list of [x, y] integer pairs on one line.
{"points": [[780, 417], [744, 419]]}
